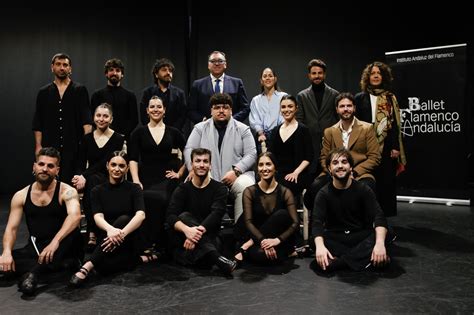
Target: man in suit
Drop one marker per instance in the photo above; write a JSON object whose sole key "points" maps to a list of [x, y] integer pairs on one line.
{"points": [[356, 136], [217, 82], [123, 101], [232, 146], [173, 97], [316, 106]]}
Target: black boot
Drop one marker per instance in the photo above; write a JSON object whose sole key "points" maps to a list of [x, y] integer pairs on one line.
{"points": [[226, 265], [29, 284]]}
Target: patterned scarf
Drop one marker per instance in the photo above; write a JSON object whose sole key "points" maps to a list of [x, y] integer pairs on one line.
{"points": [[388, 113]]}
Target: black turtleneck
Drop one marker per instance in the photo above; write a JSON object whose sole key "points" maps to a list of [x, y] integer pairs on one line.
{"points": [[221, 128], [114, 200], [318, 91], [124, 105]]}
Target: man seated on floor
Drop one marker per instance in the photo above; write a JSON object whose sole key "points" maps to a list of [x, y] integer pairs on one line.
{"points": [[194, 217], [52, 214], [356, 136], [349, 227]]}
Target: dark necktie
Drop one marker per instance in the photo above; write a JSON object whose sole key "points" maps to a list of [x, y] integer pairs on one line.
{"points": [[217, 88]]}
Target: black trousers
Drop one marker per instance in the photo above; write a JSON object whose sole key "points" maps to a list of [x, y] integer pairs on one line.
{"points": [[70, 248], [156, 198], [353, 247], [276, 223], [124, 257], [204, 252]]}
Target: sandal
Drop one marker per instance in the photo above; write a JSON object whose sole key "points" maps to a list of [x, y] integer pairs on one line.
{"points": [[76, 281]]}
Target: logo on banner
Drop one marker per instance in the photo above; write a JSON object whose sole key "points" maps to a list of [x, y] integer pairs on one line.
{"points": [[428, 116]]}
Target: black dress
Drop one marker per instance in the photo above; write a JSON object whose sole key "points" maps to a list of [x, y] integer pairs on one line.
{"points": [[153, 162], [289, 154], [268, 215], [96, 172]]}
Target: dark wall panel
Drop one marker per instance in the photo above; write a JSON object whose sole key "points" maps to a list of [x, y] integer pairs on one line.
{"points": [[29, 40], [284, 36]]}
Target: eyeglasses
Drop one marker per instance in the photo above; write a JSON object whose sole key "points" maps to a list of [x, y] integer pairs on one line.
{"points": [[221, 106], [217, 61]]}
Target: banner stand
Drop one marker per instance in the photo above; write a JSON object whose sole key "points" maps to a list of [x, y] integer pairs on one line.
{"points": [[447, 202]]}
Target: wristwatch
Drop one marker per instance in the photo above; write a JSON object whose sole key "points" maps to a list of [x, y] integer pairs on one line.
{"points": [[237, 172]]}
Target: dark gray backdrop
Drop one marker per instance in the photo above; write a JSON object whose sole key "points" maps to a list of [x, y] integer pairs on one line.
{"points": [[283, 36]]}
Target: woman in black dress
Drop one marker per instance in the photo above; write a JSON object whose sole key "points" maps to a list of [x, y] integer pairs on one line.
{"points": [[155, 165], [292, 146], [266, 229], [93, 152], [118, 209]]}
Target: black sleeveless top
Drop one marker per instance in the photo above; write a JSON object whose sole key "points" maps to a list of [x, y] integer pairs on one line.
{"points": [[45, 222]]}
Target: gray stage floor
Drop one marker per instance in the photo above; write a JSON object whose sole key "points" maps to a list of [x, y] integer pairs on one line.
{"points": [[433, 273]]}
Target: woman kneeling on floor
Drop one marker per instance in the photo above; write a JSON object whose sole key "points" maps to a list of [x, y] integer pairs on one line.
{"points": [[266, 229], [118, 209]]}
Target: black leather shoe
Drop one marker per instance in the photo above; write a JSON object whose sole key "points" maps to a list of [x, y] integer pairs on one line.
{"points": [[76, 281], [226, 265], [29, 284]]}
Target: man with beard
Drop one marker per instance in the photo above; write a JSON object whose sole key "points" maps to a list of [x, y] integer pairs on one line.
{"points": [[52, 214], [173, 97], [194, 217], [349, 227], [123, 101], [62, 115], [232, 146], [356, 136], [316, 106]]}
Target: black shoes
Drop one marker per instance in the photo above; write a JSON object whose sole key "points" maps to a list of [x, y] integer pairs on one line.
{"points": [[29, 284], [76, 281], [227, 266]]}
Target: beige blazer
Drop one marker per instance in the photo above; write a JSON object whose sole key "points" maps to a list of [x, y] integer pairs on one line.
{"points": [[362, 144]]}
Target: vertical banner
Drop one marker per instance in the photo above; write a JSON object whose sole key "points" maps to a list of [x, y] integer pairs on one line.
{"points": [[430, 85]]}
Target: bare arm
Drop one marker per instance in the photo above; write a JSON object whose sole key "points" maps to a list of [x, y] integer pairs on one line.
{"points": [[134, 223], [116, 236], [70, 198], [322, 253], [293, 177], [16, 212], [38, 140], [379, 253], [193, 234], [87, 129], [134, 173]]}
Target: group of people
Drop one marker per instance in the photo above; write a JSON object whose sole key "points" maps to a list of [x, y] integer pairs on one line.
{"points": [[148, 189]]}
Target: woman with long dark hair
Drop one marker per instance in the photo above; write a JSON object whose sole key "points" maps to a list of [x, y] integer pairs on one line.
{"points": [[378, 105], [118, 209], [266, 230]]}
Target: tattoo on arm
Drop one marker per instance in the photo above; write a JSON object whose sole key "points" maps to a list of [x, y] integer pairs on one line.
{"points": [[69, 195]]}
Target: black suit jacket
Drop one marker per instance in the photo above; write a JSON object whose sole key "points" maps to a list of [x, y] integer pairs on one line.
{"points": [[201, 92]]}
